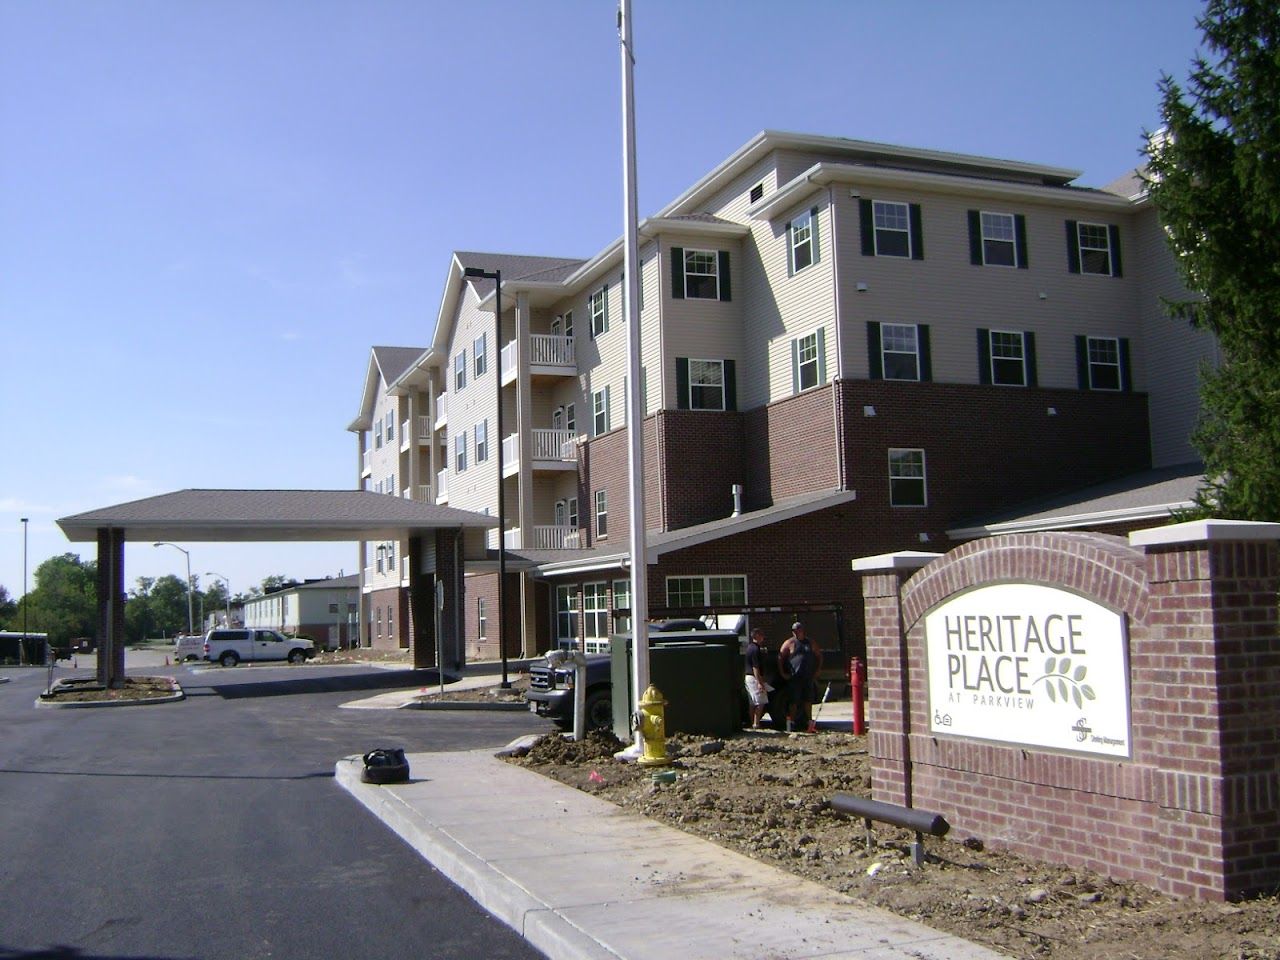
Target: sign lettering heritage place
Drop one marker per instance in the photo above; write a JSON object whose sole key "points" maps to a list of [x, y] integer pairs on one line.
{"points": [[1027, 664]]}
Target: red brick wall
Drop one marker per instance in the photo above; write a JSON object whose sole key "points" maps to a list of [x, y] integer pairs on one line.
{"points": [[485, 586], [1192, 812], [790, 448], [603, 464], [395, 599], [704, 455]]}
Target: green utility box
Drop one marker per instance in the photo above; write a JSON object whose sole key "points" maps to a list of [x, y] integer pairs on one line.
{"points": [[700, 674]]}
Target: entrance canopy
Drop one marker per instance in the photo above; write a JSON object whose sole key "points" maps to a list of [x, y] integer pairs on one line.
{"points": [[450, 536], [241, 516]]}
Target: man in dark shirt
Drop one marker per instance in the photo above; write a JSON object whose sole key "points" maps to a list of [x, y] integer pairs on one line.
{"points": [[799, 661], [757, 688]]}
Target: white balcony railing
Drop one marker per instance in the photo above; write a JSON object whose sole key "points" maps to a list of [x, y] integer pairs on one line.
{"points": [[424, 427], [551, 444], [554, 537], [442, 409], [551, 350], [366, 467], [442, 486], [510, 450], [421, 492], [508, 359]]}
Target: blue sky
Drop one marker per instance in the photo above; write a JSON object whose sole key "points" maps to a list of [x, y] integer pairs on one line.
{"points": [[221, 206]]}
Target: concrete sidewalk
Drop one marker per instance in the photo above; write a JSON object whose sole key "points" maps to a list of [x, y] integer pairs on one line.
{"points": [[581, 879]]}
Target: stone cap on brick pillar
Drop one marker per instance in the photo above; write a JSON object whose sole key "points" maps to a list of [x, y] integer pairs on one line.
{"points": [[890, 562], [1203, 531]]}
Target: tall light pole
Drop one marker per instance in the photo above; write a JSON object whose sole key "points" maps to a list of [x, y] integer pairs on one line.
{"points": [[191, 623], [226, 586], [26, 603], [496, 277]]}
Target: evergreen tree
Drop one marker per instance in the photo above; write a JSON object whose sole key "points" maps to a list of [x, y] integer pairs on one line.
{"points": [[1214, 177]]}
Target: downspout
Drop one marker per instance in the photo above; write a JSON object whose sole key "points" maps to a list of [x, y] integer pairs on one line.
{"points": [[836, 399], [458, 625]]}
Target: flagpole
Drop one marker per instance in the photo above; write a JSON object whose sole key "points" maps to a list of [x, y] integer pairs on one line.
{"points": [[635, 409]]}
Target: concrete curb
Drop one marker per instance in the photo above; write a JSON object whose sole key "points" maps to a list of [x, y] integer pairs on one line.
{"points": [[535, 921], [500, 706], [177, 695]]}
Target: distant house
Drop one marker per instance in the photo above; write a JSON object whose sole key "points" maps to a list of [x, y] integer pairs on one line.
{"points": [[324, 610]]}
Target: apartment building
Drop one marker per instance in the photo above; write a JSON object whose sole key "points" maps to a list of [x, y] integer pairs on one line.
{"points": [[324, 610], [848, 348]]}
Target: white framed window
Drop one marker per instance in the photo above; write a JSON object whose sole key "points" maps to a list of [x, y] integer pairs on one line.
{"points": [[602, 514], [701, 275], [600, 419], [707, 591], [391, 484], [377, 616], [570, 418], [807, 361], [621, 601], [892, 223], [377, 434], [391, 425], [571, 505], [801, 233], [481, 432], [706, 385], [1008, 358], [480, 354], [1104, 363], [595, 616], [900, 351], [906, 478], [460, 370], [568, 323], [482, 621], [566, 617], [460, 452], [598, 305], [391, 623], [1095, 248], [999, 238]]}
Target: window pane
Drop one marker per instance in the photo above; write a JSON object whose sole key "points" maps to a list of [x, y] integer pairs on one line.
{"points": [[899, 351], [1095, 248], [706, 385], [727, 591], [701, 275], [685, 592], [906, 478], [1006, 359], [1104, 363], [892, 228], [801, 242]]}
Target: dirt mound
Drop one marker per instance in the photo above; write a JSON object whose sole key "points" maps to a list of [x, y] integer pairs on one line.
{"points": [[768, 796]]}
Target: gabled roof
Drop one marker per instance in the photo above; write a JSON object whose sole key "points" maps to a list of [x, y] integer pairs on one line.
{"points": [[1151, 495], [219, 516], [386, 364]]}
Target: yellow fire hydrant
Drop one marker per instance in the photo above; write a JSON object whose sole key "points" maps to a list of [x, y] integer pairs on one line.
{"points": [[651, 721]]}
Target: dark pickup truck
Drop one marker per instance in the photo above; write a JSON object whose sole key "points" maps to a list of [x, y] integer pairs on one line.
{"points": [[550, 692]]}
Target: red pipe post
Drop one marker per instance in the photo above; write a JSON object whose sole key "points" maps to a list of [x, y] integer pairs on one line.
{"points": [[857, 691]]}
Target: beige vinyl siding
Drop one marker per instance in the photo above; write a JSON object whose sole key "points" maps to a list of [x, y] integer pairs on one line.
{"points": [[476, 487], [957, 298], [701, 329], [1173, 350], [732, 202]]}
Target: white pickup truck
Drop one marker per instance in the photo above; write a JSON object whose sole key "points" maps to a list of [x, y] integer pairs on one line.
{"points": [[230, 646]]}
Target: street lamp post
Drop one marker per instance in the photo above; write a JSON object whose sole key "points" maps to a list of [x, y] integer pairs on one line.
{"points": [[496, 277], [226, 586], [26, 603], [191, 625]]}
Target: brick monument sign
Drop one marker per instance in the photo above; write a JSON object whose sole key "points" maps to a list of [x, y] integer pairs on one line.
{"points": [[1105, 703]]}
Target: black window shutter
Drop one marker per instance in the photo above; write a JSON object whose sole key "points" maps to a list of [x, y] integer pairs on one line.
{"points": [[1029, 353], [813, 233], [1020, 239], [724, 275], [926, 355], [682, 383], [730, 386], [1126, 381], [791, 259], [875, 359], [1082, 362], [1073, 247], [975, 238], [984, 355], [677, 273], [917, 233], [1114, 233], [868, 228]]}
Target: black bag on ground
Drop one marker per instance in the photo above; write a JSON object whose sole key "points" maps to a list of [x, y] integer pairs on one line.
{"points": [[385, 765]]}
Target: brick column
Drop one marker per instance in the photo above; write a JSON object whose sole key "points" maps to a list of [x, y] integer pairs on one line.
{"points": [[888, 671], [111, 597], [1211, 709]]}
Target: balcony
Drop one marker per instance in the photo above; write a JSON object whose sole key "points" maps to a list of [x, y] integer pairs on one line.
{"points": [[366, 466], [442, 487], [550, 355], [548, 537], [553, 451], [422, 493], [442, 410]]}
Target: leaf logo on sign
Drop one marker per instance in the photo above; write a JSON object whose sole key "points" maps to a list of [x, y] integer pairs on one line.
{"points": [[1063, 683]]}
